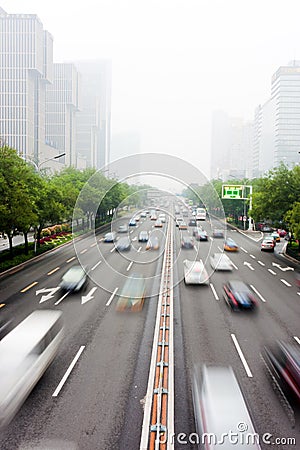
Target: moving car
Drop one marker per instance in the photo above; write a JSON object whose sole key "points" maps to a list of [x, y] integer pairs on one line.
{"points": [[238, 295], [123, 244], [276, 236], [110, 237], [267, 245], [187, 242], [74, 279], [25, 353], [178, 221], [182, 226], [201, 235], [197, 229], [281, 232], [192, 223], [230, 245], [220, 261], [219, 406], [218, 233], [133, 294], [143, 236], [158, 224], [132, 223], [123, 229], [195, 272], [5, 326], [283, 360], [153, 243]]}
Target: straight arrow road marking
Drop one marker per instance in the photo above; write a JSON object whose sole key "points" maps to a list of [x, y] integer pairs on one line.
{"points": [[51, 292], [248, 265], [89, 296]]}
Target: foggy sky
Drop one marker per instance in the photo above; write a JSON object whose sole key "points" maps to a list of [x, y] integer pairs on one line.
{"points": [[174, 62]]}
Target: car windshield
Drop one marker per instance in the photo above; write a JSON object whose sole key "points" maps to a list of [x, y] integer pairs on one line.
{"points": [[74, 274]]}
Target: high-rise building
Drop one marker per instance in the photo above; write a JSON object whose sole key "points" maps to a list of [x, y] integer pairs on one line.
{"points": [[285, 92], [25, 70], [93, 121], [264, 138], [231, 144], [62, 103]]}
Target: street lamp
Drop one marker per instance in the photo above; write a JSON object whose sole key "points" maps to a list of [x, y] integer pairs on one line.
{"points": [[37, 166]]}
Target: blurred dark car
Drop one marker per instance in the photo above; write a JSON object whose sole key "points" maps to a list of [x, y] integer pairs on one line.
{"points": [[132, 223], [187, 242], [281, 232], [283, 360], [192, 223], [266, 229], [123, 229], [238, 295], [74, 279], [201, 235], [123, 244]]}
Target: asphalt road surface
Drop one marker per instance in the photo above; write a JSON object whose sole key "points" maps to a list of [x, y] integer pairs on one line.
{"points": [[100, 406]]}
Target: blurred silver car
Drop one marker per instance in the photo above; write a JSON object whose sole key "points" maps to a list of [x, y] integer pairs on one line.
{"points": [[123, 244], [219, 408], [195, 272], [74, 279]]}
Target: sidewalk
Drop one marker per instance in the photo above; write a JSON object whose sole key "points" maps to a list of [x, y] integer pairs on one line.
{"points": [[17, 240]]}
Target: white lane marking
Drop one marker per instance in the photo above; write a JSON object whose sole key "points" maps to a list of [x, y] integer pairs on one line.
{"points": [[261, 263], [83, 251], [53, 271], [131, 231], [112, 249], [214, 291], [61, 299], [129, 266], [96, 265], [243, 359], [297, 339], [244, 250], [272, 272], [93, 245], [219, 248], [111, 297], [134, 239], [195, 248], [285, 282], [101, 240], [257, 293], [71, 259], [140, 248], [69, 370], [298, 293], [233, 265], [211, 238], [252, 256]]}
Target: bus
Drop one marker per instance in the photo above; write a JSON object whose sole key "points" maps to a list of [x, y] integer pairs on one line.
{"points": [[25, 353], [201, 214]]}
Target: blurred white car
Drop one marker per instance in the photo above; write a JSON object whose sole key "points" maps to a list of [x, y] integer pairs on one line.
{"points": [[195, 272], [220, 261]]}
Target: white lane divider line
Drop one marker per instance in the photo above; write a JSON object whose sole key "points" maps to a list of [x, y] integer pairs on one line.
{"points": [[129, 266], [83, 251], [93, 245], [272, 272], [298, 293], [112, 249], [285, 282], [214, 291], [219, 248], [131, 231], [96, 265], [261, 263], [241, 355], [53, 271], [257, 293], [71, 259], [134, 239], [246, 251], [252, 256], [111, 297], [69, 370], [297, 339], [61, 299], [233, 265], [139, 249]]}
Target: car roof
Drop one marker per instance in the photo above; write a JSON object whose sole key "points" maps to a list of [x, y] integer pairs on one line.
{"points": [[238, 285]]}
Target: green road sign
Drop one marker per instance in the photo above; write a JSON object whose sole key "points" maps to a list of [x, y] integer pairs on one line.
{"points": [[232, 191]]}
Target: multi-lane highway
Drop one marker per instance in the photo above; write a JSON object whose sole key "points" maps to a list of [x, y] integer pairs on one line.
{"points": [[93, 394]]}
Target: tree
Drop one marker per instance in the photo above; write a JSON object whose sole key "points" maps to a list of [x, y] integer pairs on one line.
{"points": [[292, 218]]}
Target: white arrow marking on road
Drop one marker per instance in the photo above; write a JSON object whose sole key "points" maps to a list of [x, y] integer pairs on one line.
{"points": [[51, 292], [284, 269], [89, 296], [285, 282], [248, 265]]}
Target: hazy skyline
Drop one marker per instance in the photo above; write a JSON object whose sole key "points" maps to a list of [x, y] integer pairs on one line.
{"points": [[175, 62]]}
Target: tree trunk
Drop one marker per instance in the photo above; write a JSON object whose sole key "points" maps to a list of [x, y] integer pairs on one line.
{"points": [[26, 241], [38, 236], [9, 235]]}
